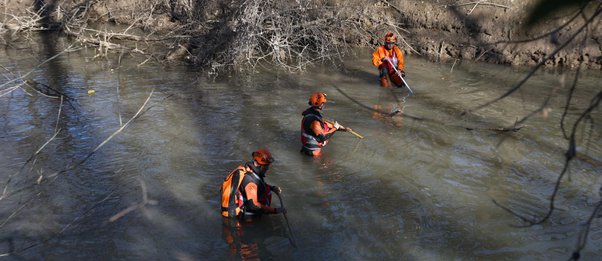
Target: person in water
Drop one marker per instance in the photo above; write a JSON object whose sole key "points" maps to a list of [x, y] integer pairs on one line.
{"points": [[256, 193], [245, 192], [388, 58], [315, 132], [250, 201]]}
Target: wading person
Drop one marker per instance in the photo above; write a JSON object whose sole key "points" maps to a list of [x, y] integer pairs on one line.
{"points": [[246, 195], [389, 60], [315, 132], [245, 192]]}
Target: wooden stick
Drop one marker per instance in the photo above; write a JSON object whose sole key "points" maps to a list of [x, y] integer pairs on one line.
{"points": [[348, 130]]}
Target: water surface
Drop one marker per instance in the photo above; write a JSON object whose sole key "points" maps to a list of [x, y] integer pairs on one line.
{"points": [[410, 190]]}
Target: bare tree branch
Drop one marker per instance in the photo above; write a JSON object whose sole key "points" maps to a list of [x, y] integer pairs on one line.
{"points": [[569, 155], [541, 63]]}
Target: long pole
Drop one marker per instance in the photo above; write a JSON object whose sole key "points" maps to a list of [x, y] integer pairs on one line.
{"points": [[348, 130], [291, 238], [399, 73]]}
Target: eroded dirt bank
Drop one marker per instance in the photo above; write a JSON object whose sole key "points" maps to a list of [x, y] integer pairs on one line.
{"points": [[222, 32]]}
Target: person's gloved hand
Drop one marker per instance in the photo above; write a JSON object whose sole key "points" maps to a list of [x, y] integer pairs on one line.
{"points": [[276, 189], [279, 210], [337, 125], [403, 74]]}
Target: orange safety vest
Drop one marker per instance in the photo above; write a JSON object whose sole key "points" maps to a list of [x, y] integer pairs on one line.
{"points": [[395, 55]]}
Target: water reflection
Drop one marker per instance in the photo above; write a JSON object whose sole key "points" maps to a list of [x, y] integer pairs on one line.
{"points": [[255, 238], [410, 190]]}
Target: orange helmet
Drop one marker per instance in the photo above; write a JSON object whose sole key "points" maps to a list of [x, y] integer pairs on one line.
{"points": [[317, 99], [390, 38], [263, 156]]}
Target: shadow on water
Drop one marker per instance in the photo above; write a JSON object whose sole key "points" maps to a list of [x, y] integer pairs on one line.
{"points": [[45, 9], [390, 196], [332, 194], [345, 206]]}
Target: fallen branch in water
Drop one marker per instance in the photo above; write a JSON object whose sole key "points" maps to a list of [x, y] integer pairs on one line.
{"points": [[43, 179], [10, 89], [12, 251], [46, 90], [56, 132], [145, 201], [66, 50], [110, 137]]}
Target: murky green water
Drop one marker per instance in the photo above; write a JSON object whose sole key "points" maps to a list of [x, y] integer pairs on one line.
{"points": [[411, 190]]}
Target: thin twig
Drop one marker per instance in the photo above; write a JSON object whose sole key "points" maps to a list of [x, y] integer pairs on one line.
{"points": [[56, 132], [539, 65], [55, 175], [582, 241], [112, 135], [568, 101], [481, 3], [569, 155], [145, 201], [394, 7], [58, 116], [452, 68], [68, 49]]}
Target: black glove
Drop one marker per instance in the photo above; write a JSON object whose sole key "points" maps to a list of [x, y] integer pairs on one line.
{"points": [[403, 74], [276, 189]]}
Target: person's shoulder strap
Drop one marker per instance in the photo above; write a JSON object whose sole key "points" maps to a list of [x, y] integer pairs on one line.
{"points": [[312, 114]]}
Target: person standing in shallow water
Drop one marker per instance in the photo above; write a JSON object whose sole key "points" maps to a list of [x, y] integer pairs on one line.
{"points": [[256, 193], [245, 192], [315, 132], [387, 57], [247, 202]]}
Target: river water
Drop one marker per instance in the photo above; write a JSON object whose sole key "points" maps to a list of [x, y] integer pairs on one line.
{"points": [[412, 189]]}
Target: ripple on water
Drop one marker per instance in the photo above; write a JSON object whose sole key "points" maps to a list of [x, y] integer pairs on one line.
{"points": [[410, 186]]}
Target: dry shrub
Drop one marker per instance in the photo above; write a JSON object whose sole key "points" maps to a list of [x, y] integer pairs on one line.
{"points": [[241, 34], [254, 32]]}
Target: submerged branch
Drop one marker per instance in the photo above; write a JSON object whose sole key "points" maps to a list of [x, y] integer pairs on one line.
{"points": [[145, 201], [43, 179], [66, 50]]}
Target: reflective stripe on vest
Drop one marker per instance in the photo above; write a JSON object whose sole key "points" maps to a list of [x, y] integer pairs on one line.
{"points": [[309, 140]]}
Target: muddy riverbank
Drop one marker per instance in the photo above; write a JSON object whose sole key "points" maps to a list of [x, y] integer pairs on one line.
{"points": [[217, 33]]}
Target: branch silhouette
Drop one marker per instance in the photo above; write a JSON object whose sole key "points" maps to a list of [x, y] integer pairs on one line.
{"points": [[539, 65]]}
